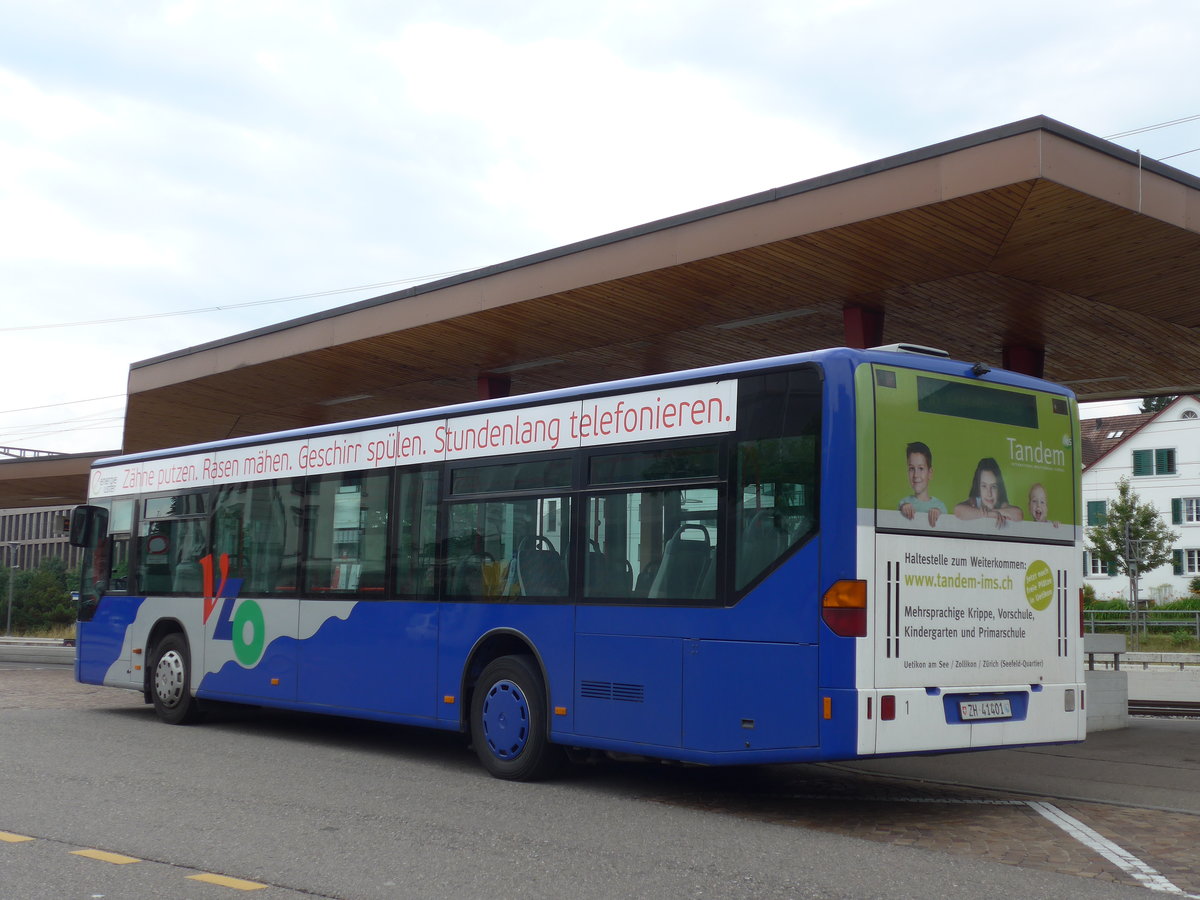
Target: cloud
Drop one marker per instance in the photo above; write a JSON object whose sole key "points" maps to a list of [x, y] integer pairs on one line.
{"points": [[175, 155], [569, 139]]}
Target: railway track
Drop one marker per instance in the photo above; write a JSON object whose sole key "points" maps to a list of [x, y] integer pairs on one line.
{"points": [[1186, 709]]}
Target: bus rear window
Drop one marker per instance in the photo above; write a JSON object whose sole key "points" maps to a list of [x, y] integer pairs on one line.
{"points": [[974, 401]]}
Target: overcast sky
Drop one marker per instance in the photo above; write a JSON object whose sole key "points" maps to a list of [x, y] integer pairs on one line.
{"points": [[159, 158]]}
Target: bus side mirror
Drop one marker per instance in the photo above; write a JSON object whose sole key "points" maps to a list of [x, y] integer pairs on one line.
{"points": [[88, 524]]}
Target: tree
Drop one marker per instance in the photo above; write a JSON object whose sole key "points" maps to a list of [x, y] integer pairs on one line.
{"points": [[41, 597], [1132, 536], [1154, 404]]}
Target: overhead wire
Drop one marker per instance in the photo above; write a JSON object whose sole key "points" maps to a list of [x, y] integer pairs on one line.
{"points": [[72, 430], [4, 412], [1145, 128], [110, 415], [222, 308], [22, 430]]}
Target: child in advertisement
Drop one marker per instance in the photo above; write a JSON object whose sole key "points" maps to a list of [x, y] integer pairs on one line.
{"points": [[1039, 505], [988, 498], [920, 472]]}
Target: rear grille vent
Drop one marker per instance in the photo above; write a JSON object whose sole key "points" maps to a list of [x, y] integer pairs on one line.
{"points": [[612, 690]]}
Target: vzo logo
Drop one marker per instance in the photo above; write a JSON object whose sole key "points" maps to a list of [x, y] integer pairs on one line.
{"points": [[246, 628]]}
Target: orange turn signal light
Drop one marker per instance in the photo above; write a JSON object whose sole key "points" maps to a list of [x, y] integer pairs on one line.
{"points": [[844, 608]]}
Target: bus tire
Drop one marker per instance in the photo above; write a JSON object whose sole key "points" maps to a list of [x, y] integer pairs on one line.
{"points": [[170, 681], [508, 721]]}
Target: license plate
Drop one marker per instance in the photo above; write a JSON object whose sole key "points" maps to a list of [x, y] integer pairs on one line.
{"points": [[985, 709]]}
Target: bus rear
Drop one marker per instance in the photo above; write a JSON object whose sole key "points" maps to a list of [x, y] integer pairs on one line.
{"points": [[969, 539]]}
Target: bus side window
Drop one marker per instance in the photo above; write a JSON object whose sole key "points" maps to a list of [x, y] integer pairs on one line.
{"points": [[658, 544], [509, 548], [172, 539], [120, 530], [777, 468], [256, 529], [416, 538], [346, 534]]}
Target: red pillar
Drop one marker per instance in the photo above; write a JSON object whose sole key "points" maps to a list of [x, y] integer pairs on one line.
{"points": [[1024, 359], [492, 386], [863, 326]]}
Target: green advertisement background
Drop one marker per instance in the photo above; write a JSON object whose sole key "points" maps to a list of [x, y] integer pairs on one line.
{"points": [[958, 444]]}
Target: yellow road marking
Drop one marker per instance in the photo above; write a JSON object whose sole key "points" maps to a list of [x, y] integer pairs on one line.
{"points": [[9, 838], [225, 881], [104, 856]]}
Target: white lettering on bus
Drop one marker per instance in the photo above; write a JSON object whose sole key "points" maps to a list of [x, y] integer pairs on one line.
{"points": [[1036, 453]]}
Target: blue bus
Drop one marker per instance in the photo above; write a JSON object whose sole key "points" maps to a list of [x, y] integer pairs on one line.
{"points": [[829, 555]]}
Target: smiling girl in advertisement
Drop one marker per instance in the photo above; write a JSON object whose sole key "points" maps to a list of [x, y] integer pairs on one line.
{"points": [[988, 498]]}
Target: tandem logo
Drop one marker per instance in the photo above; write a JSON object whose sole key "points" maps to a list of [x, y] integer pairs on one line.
{"points": [[1038, 453]]}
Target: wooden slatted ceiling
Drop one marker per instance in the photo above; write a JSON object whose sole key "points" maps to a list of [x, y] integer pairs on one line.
{"points": [[1027, 263], [1093, 249], [45, 481]]}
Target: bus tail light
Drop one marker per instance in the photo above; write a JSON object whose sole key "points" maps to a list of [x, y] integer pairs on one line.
{"points": [[844, 608]]}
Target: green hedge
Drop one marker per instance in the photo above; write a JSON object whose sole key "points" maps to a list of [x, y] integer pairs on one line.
{"points": [[41, 597]]}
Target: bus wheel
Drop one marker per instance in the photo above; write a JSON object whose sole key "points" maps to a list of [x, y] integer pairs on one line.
{"points": [[170, 681], [508, 721]]}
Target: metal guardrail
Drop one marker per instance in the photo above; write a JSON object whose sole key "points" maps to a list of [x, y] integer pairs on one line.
{"points": [[1179, 661], [1185, 709], [1143, 621], [40, 651]]}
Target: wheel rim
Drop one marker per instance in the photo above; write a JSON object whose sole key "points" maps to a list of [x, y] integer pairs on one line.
{"points": [[169, 678], [505, 719]]}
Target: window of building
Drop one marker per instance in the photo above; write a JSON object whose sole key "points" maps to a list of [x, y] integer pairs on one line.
{"points": [[1185, 510], [1187, 562], [1093, 565], [1154, 462], [1189, 414], [1114, 434], [1096, 511]]}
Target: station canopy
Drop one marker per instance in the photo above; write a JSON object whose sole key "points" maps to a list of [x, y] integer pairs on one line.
{"points": [[1033, 246]]}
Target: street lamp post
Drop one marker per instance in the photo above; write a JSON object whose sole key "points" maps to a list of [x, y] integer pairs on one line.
{"points": [[12, 576]]}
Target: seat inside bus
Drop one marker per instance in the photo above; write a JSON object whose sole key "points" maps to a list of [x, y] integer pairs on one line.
{"points": [[686, 570], [537, 570]]}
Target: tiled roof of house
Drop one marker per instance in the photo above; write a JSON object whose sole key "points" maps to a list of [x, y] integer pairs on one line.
{"points": [[1101, 436]]}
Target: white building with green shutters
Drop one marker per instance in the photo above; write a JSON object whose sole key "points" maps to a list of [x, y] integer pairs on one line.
{"points": [[1159, 453]]}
